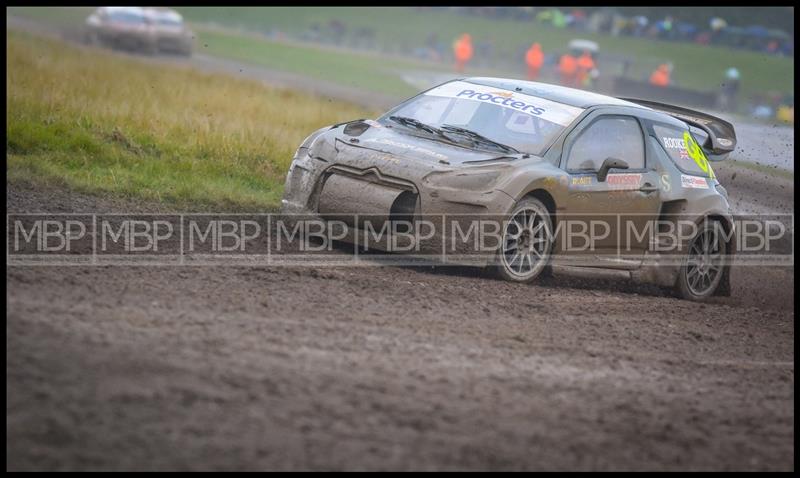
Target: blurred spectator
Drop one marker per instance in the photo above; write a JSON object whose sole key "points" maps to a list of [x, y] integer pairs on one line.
{"points": [[585, 66], [618, 24], [785, 111], [534, 58], [568, 69], [703, 38], [435, 47], [559, 19], [717, 24], [661, 76], [578, 19], [729, 89], [762, 111], [462, 49], [640, 23], [338, 30], [483, 51]]}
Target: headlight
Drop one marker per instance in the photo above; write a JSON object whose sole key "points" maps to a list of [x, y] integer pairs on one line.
{"points": [[322, 149], [479, 180], [301, 152]]}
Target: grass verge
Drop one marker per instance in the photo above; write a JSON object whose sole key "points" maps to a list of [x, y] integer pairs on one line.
{"points": [[100, 123]]}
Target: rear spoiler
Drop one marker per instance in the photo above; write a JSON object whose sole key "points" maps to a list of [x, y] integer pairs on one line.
{"points": [[721, 136]]}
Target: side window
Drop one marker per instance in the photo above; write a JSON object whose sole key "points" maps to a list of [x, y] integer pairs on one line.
{"points": [[610, 137], [672, 139]]}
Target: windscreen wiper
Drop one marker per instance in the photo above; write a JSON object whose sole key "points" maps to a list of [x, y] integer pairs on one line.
{"points": [[413, 123], [478, 137]]}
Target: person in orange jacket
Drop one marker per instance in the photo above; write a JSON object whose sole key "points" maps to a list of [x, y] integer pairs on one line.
{"points": [[534, 58], [567, 69], [660, 76], [585, 65], [462, 49]]}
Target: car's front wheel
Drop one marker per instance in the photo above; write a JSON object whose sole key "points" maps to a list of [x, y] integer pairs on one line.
{"points": [[527, 242], [703, 268]]}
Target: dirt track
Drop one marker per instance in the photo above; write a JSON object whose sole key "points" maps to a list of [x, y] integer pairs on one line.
{"points": [[384, 368]]}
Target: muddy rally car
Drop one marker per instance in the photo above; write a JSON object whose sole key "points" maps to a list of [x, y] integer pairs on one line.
{"points": [[577, 181], [172, 34], [143, 30]]}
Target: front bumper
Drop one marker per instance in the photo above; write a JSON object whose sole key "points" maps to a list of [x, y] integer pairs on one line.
{"points": [[368, 197]]}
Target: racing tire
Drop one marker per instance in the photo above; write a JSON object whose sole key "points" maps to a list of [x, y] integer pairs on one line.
{"points": [[526, 244], [703, 268]]}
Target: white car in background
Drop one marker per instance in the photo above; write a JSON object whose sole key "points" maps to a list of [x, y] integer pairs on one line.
{"points": [[145, 30], [172, 34], [124, 28]]}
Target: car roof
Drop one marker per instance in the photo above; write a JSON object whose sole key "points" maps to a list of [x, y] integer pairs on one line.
{"points": [[165, 13], [560, 94], [135, 10]]}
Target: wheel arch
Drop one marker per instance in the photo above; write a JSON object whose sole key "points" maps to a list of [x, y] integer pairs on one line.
{"points": [[545, 197]]}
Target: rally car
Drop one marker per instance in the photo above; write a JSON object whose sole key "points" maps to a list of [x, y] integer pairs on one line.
{"points": [[539, 157], [123, 28], [172, 34], [145, 30]]}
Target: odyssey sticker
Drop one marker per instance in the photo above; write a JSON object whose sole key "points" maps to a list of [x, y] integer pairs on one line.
{"points": [[624, 180], [547, 110], [693, 182]]}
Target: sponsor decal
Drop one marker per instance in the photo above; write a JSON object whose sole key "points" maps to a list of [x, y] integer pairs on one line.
{"points": [[673, 143], [696, 153], [412, 147], [624, 180], [693, 182], [554, 181], [678, 144], [582, 181], [666, 185], [547, 110]]}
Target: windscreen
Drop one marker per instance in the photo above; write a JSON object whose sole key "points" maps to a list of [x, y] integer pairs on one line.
{"points": [[169, 21], [126, 17], [527, 123]]}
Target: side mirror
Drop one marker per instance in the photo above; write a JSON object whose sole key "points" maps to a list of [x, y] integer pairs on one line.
{"points": [[610, 163]]}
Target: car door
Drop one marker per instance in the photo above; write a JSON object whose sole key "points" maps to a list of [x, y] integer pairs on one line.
{"points": [[613, 213]]}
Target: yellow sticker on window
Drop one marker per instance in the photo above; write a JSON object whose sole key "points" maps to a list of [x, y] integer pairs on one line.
{"points": [[696, 153]]}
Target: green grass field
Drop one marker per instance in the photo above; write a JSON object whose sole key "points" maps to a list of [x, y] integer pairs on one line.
{"points": [[99, 123], [401, 28], [349, 69]]}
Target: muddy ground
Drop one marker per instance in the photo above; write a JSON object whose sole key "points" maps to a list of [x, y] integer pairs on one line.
{"points": [[235, 368]]}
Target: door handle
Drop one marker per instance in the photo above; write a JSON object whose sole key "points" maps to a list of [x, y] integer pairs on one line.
{"points": [[648, 188]]}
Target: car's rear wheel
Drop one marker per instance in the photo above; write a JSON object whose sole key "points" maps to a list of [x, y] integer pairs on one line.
{"points": [[527, 242], [703, 267]]}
